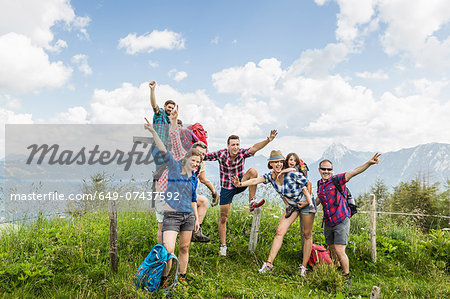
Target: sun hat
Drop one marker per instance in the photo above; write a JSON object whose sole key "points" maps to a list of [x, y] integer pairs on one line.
{"points": [[275, 155]]}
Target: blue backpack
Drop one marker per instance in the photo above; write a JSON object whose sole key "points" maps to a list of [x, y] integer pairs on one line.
{"points": [[149, 273]]}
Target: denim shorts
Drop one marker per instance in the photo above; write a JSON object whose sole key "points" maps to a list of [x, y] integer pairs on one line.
{"points": [[305, 210], [337, 234], [226, 195], [178, 221]]}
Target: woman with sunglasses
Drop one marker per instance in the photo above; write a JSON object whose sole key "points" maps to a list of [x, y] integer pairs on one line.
{"points": [[292, 186]]}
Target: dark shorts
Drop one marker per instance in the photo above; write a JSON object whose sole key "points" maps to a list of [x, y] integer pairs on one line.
{"points": [[226, 195], [337, 234], [178, 221]]}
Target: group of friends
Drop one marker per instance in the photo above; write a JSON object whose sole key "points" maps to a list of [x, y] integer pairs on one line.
{"points": [[180, 157]]}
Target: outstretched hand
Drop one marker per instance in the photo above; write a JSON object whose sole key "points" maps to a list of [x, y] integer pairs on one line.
{"points": [[272, 135], [152, 85], [236, 181], [149, 127], [374, 159], [174, 115]]}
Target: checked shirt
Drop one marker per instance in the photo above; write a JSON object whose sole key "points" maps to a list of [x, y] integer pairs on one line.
{"points": [[335, 207], [291, 188], [161, 123], [229, 169]]}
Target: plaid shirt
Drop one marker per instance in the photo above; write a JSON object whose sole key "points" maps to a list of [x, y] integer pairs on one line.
{"points": [[161, 123], [178, 153], [291, 188], [335, 208], [229, 169]]}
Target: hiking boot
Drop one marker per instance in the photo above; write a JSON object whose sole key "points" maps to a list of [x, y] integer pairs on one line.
{"points": [[223, 250], [312, 208], [265, 268], [215, 200], [303, 270], [256, 203], [347, 280], [200, 237], [289, 211]]}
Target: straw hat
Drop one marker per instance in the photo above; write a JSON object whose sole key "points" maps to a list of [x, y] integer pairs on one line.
{"points": [[275, 155]]}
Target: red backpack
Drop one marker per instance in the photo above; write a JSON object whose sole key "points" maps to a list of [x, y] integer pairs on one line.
{"points": [[199, 132], [319, 255]]}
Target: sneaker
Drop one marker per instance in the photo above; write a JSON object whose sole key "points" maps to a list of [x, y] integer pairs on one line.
{"points": [[200, 237], [303, 270], [265, 268], [256, 203], [312, 208], [215, 200], [289, 211], [223, 250]]}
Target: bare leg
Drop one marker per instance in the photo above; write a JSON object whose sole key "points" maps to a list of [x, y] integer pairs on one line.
{"points": [[307, 226], [202, 206], [250, 174], [224, 209], [170, 238], [343, 258], [183, 256], [283, 227]]}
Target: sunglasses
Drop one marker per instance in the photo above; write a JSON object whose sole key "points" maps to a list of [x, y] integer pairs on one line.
{"points": [[326, 169]]}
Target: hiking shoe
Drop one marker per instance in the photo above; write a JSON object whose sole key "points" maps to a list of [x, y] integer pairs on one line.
{"points": [[200, 237], [312, 208], [215, 200], [223, 250], [289, 211], [347, 280], [256, 203], [303, 270], [265, 268]]}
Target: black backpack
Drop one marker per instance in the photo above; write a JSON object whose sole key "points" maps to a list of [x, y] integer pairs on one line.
{"points": [[350, 200]]}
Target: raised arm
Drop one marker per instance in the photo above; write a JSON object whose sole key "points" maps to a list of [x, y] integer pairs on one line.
{"points": [[250, 182], [257, 146], [152, 86], [158, 142], [362, 168]]}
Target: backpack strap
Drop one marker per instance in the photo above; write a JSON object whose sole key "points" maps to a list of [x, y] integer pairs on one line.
{"points": [[336, 184], [175, 280]]}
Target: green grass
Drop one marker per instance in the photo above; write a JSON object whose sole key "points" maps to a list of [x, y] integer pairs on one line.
{"points": [[69, 258]]}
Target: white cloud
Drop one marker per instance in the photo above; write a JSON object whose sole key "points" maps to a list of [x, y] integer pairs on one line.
{"points": [[81, 61], [26, 67], [234, 41], [58, 46], [353, 13], [149, 42], [74, 115], [378, 75], [177, 75], [36, 18], [215, 40], [319, 62], [250, 79], [153, 64], [10, 117], [9, 102]]}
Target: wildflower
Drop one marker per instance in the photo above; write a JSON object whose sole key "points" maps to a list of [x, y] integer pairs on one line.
{"points": [[21, 243]]}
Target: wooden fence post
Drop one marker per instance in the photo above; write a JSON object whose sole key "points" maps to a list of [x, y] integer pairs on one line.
{"points": [[375, 294], [255, 230], [113, 255], [373, 229]]}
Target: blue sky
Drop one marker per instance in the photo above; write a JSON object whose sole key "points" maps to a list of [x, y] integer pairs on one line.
{"points": [[371, 74]]}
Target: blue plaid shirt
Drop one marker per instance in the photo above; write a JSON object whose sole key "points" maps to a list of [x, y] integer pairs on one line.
{"points": [[181, 190], [161, 123], [291, 188]]}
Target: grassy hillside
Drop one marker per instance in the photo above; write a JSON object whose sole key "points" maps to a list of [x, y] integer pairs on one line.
{"points": [[68, 257]]}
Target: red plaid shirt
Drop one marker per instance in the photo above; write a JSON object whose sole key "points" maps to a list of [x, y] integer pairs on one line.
{"points": [[229, 169], [335, 207]]}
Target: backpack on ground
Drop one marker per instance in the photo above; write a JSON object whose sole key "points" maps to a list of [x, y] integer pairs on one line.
{"points": [[350, 200], [149, 273], [319, 255], [199, 132]]}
